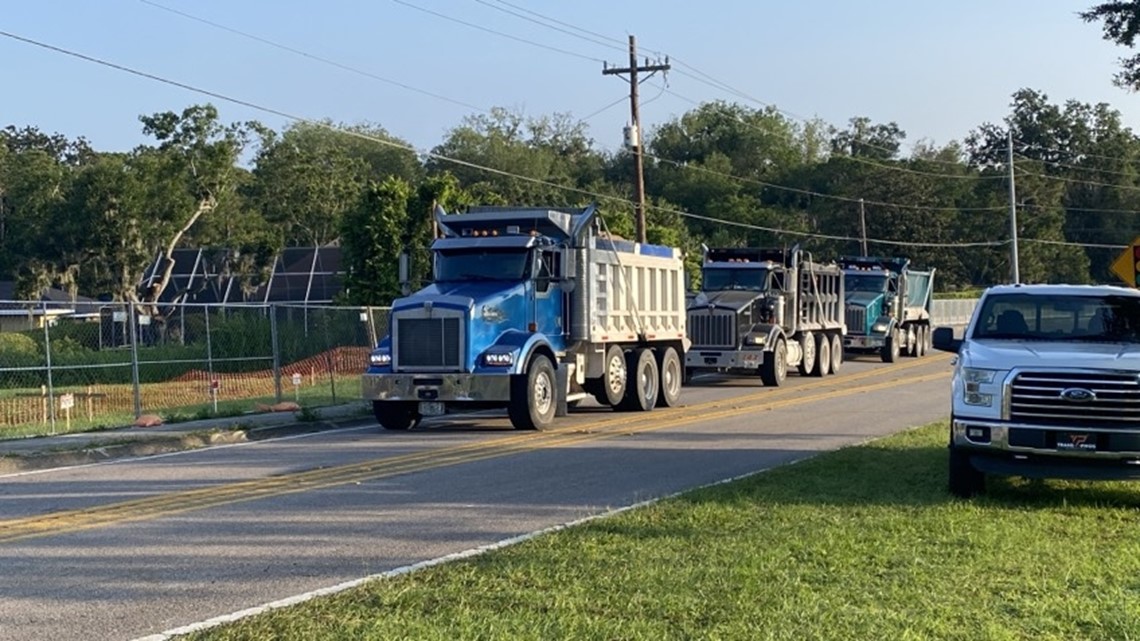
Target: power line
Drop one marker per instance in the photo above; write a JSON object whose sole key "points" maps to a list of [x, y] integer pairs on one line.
{"points": [[499, 33], [560, 30], [456, 161], [310, 56], [1075, 181]]}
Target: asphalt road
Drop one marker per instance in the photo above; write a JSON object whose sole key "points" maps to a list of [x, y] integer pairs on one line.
{"points": [[135, 547]]}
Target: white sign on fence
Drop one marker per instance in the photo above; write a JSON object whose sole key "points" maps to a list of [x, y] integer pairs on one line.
{"points": [[296, 380], [66, 401]]}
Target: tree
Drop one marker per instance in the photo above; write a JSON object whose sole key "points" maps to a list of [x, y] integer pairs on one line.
{"points": [[863, 139], [192, 171], [372, 243], [1121, 24]]}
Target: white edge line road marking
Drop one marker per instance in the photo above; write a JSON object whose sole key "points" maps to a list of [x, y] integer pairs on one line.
{"points": [[456, 556]]}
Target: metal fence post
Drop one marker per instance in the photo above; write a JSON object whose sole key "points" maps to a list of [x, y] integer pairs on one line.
{"points": [[47, 361], [133, 322], [209, 350], [276, 353]]}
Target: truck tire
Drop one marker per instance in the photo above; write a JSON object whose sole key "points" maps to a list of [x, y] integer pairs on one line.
{"points": [[836, 352], [396, 415], [774, 370], [922, 331], [965, 480], [912, 335], [890, 350], [643, 382], [822, 355], [672, 374], [807, 346], [610, 388], [534, 396]]}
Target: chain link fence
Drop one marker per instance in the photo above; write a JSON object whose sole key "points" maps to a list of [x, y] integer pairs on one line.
{"points": [[67, 367]]}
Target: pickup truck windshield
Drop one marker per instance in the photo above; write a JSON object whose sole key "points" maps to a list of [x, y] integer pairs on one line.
{"points": [[865, 283], [481, 264], [722, 278], [1060, 318]]}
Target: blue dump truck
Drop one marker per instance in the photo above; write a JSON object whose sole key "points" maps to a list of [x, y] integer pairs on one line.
{"points": [[888, 307], [761, 311], [532, 309]]}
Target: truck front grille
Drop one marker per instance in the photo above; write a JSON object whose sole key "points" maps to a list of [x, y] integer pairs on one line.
{"points": [[717, 329], [1060, 398], [428, 343], [856, 319]]}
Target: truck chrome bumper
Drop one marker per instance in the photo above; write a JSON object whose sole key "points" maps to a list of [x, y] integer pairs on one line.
{"points": [[436, 387], [857, 341], [710, 358]]}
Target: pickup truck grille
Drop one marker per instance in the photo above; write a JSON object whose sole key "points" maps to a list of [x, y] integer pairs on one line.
{"points": [[428, 343], [856, 319], [712, 329], [1036, 397]]}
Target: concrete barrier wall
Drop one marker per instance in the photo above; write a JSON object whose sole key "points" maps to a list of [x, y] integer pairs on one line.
{"points": [[952, 311]]}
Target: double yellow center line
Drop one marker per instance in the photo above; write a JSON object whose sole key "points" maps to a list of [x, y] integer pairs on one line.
{"points": [[625, 424]]}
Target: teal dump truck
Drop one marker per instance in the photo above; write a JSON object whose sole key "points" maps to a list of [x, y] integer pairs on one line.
{"points": [[887, 307]]}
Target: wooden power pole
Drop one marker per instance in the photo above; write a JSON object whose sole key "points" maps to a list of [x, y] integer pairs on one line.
{"points": [[635, 126]]}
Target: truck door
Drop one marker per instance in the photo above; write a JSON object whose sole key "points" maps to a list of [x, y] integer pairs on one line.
{"points": [[548, 299]]}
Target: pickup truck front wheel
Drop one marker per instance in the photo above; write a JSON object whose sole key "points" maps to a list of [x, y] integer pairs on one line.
{"points": [[965, 481]]}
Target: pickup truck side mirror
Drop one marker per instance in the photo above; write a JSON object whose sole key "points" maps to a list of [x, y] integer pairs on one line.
{"points": [[943, 339]]}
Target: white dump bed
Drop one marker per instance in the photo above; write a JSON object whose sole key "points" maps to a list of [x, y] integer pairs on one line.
{"points": [[634, 291]]}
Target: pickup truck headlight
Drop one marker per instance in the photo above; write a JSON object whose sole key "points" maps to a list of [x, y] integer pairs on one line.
{"points": [[499, 359], [755, 339], [974, 378], [380, 358]]}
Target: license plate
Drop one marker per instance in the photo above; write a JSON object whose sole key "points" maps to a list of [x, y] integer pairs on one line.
{"points": [[1076, 441], [431, 408]]}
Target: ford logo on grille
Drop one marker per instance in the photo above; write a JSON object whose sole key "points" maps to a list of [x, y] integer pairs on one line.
{"points": [[1078, 394]]}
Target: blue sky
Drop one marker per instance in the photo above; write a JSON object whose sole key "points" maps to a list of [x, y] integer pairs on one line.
{"points": [[938, 69]]}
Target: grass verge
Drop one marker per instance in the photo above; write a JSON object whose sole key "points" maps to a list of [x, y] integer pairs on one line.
{"points": [[863, 543]]}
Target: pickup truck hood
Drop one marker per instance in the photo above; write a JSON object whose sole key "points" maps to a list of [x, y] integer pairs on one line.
{"points": [[733, 299], [1007, 354]]}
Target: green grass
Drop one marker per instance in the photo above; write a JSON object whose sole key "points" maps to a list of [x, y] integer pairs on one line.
{"points": [[864, 543]]}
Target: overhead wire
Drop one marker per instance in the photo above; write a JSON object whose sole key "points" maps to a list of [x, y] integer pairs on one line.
{"points": [[456, 161], [305, 54]]}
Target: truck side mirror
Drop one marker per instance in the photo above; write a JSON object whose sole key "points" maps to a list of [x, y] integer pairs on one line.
{"points": [[943, 339]]}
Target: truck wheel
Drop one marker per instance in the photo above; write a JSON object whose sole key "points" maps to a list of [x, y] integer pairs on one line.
{"points": [[534, 396], [610, 388], [396, 415], [836, 353], [671, 372], [775, 367], [912, 335], [807, 345], [921, 342], [822, 355], [965, 480], [641, 388], [890, 350]]}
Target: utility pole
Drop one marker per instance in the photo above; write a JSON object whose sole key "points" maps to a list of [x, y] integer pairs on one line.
{"points": [[1014, 273], [863, 224], [634, 138]]}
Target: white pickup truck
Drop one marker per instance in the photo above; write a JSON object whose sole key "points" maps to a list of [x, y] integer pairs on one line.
{"points": [[1046, 385]]}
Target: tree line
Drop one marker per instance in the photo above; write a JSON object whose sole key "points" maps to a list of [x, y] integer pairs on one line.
{"points": [[721, 174]]}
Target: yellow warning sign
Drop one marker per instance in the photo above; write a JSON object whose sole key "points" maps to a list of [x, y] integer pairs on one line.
{"points": [[1127, 265]]}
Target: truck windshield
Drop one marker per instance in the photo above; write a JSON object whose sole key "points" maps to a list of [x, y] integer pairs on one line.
{"points": [[1108, 318], [722, 278], [865, 283], [481, 264]]}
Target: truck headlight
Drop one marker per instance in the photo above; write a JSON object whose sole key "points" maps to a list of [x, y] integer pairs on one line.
{"points": [[977, 375], [499, 359], [879, 328], [755, 339], [974, 378], [380, 358]]}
